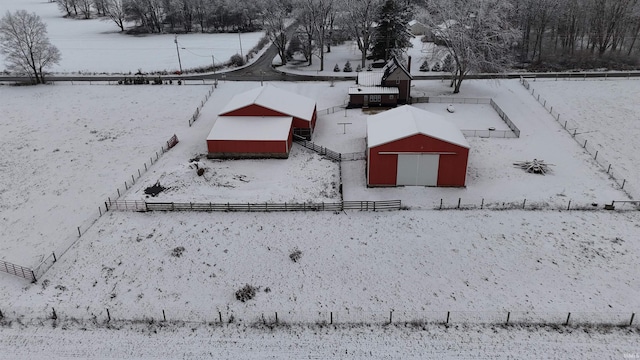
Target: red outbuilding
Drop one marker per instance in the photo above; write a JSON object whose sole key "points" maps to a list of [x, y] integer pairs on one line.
{"points": [[250, 137], [410, 146], [269, 100]]}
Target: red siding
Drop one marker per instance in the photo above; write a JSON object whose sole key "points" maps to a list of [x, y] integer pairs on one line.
{"points": [[382, 169], [257, 110], [246, 146], [403, 88]]}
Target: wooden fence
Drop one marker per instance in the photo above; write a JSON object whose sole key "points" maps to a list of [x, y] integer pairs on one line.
{"points": [[143, 206], [17, 270], [319, 149]]}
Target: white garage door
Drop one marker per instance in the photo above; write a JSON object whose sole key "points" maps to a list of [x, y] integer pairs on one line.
{"points": [[418, 169]]}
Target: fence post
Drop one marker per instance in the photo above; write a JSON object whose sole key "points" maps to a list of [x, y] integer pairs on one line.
{"points": [[100, 210], [54, 316], [220, 316], [508, 316], [33, 274], [569, 206], [118, 192], [79, 233], [482, 204], [448, 314], [1, 315], [609, 168], [596, 156], [106, 205], [276, 317], [585, 144], [145, 166], [568, 317], [524, 203], [440, 204], [331, 317], [391, 317], [623, 182], [108, 316], [54, 256], [133, 180], [163, 315], [630, 321]]}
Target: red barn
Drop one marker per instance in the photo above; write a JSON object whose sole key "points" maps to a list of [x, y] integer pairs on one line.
{"points": [[269, 100], [410, 146], [250, 137]]}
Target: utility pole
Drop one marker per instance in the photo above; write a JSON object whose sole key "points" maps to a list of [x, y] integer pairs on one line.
{"points": [[178, 51], [213, 61], [240, 39]]}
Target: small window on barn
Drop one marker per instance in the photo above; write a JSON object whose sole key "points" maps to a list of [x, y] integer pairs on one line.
{"points": [[398, 82], [390, 97], [375, 98]]}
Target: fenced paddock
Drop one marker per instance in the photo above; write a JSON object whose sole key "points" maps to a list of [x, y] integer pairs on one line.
{"points": [[143, 206], [514, 133], [573, 129]]}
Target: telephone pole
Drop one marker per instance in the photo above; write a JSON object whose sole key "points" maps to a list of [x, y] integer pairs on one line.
{"points": [[178, 51]]}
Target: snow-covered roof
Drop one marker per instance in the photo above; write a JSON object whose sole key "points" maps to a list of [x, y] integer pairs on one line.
{"points": [[405, 121], [273, 98], [370, 78], [251, 128], [368, 90]]}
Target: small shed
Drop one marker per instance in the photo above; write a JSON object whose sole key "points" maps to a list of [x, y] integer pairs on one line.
{"points": [[269, 100], [250, 137], [365, 96], [410, 146], [417, 28], [389, 87]]}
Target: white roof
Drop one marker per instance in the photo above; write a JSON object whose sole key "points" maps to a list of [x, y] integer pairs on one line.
{"points": [[405, 121], [251, 128], [370, 78], [273, 98], [367, 90]]}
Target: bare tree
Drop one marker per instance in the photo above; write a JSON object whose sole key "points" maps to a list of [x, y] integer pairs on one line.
{"points": [[275, 14], [358, 19], [114, 10], [24, 42], [478, 35], [86, 6]]}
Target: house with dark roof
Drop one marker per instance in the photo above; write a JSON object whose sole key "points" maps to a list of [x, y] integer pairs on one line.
{"points": [[386, 88]]}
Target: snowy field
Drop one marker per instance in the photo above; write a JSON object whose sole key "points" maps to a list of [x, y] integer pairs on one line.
{"points": [[97, 46]]}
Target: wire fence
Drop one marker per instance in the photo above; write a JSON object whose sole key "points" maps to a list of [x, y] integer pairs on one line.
{"points": [[330, 154], [525, 204], [151, 314], [196, 114], [572, 128], [144, 206]]}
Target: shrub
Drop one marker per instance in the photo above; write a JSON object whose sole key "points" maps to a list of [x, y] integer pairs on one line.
{"points": [[177, 252], [236, 60], [447, 64], [336, 68], [347, 67], [436, 67], [358, 68], [295, 255], [246, 293], [425, 66]]}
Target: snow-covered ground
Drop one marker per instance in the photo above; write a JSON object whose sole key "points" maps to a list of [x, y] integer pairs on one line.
{"points": [[67, 148], [607, 115], [97, 46]]}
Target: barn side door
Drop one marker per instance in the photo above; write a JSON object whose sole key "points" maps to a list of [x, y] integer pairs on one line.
{"points": [[418, 169], [365, 101]]}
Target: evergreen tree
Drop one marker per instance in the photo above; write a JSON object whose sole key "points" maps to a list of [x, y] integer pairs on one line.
{"points": [[391, 36]]}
